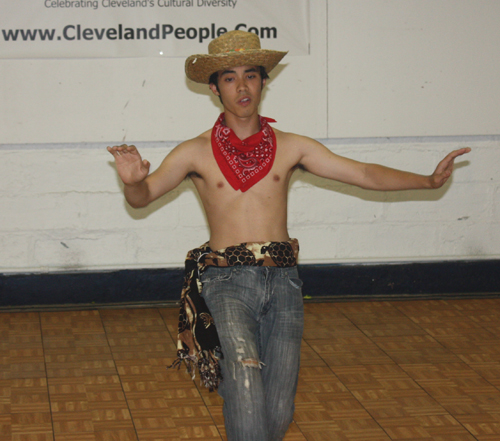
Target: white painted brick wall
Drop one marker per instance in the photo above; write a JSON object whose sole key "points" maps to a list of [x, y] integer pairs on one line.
{"points": [[496, 205], [62, 208]]}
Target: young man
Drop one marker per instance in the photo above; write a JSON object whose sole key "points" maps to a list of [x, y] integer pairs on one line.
{"points": [[241, 169]]}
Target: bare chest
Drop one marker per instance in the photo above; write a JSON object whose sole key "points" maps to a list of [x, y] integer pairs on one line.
{"points": [[211, 176]]}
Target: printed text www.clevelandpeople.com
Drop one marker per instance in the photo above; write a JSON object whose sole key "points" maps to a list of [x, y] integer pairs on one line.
{"points": [[78, 32], [106, 4]]}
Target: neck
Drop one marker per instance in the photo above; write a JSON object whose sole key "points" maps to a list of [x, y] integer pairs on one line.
{"points": [[242, 127]]}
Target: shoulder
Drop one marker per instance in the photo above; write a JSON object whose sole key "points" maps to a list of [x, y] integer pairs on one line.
{"points": [[197, 142], [293, 140], [192, 147], [186, 154]]}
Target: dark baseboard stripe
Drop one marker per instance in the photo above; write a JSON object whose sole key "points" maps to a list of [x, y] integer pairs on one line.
{"points": [[406, 279], [122, 286], [328, 282]]}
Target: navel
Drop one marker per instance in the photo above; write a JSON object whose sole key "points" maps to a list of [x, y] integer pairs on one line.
{"points": [[220, 184], [276, 178]]}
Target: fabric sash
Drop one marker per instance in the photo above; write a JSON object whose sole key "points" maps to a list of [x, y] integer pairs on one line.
{"points": [[198, 344], [244, 163]]}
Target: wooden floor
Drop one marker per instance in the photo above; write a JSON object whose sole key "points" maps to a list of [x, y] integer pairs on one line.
{"points": [[413, 370]]}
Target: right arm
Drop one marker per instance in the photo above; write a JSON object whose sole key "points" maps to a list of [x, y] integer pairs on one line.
{"points": [[142, 188]]}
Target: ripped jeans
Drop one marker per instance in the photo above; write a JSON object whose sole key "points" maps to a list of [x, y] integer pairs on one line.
{"points": [[259, 315]]}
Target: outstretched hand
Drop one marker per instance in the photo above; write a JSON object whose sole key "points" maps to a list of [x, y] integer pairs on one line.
{"points": [[131, 168], [445, 168]]}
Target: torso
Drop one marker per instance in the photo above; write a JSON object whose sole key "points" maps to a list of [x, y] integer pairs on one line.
{"points": [[260, 213]]}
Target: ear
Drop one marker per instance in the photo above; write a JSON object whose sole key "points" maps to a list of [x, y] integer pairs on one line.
{"points": [[213, 88]]}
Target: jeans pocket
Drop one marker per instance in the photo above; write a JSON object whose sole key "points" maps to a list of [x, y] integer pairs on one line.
{"points": [[295, 282], [213, 274]]}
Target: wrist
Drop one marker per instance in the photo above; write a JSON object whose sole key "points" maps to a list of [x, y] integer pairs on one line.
{"points": [[429, 182], [133, 184]]}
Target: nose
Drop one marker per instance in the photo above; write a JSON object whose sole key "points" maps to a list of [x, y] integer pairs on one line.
{"points": [[242, 84]]}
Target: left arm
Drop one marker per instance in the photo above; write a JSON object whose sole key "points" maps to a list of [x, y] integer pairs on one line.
{"points": [[320, 161], [378, 177]]}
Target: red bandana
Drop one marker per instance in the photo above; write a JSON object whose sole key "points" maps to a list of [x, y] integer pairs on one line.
{"points": [[244, 163]]}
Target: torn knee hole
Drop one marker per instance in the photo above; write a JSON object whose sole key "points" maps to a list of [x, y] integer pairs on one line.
{"points": [[251, 363]]}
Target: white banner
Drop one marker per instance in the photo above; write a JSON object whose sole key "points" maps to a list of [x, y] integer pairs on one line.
{"points": [[145, 28]]}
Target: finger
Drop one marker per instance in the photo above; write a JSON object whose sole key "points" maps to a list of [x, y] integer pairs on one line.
{"points": [[450, 157], [126, 147], [126, 150], [446, 163], [460, 152], [454, 155], [464, 151], [113, 151]]}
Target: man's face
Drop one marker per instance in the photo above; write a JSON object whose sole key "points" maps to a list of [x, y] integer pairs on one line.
{"points": [[240, 90]]}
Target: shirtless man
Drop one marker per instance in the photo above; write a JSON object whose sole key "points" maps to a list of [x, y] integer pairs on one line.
{"points": [[257, 309]]}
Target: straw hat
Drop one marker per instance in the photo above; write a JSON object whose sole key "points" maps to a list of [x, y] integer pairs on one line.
{"points": [[232, 49]]}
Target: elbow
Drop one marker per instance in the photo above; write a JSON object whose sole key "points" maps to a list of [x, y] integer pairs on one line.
{"points": [[137, 196], [138, 204], [368, 180]]}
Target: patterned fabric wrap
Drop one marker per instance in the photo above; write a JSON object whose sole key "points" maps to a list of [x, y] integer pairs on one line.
{"points": [[198, 344], [244, 163]]}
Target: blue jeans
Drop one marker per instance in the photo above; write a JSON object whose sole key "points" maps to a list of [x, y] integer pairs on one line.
{"points": [[259, 315]]}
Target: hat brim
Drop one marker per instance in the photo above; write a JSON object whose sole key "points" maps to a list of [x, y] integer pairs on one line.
{"points": [[200, 67]]}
